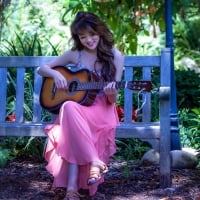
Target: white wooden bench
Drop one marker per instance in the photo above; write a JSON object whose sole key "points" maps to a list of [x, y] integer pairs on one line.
{"points": [[157, 133]]}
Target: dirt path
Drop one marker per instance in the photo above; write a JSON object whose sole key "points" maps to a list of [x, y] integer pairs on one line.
{"points": [[26, 180]]}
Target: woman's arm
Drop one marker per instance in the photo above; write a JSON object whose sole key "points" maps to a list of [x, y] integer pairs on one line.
{"points": [[63, 60], [48, 71]]}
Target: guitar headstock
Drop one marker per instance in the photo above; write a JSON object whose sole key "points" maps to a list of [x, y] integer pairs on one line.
{"points": [[145, 86]]}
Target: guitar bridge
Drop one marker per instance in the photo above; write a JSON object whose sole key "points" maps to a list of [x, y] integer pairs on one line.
{"points": [[53, 92]]}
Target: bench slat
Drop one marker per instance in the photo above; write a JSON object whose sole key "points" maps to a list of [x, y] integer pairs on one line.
{"points": [[36, 97], [138, 130], [24, 61], [128, 100], [125, 130], [3, 81], [144, 61], [29, 61], [146, 110], [22, 129], [19, 107]]}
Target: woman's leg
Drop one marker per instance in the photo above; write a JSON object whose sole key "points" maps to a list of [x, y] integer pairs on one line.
{"points": [[72, 177], [72, 187]]}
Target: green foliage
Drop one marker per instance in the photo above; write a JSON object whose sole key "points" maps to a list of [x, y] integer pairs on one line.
{"points": [[187, 42], [134, 17], [4, 156], [34, 17], [31, 147], [190, 128], [186, 39], [131, 149], [26, 147], [193, 33], [28, 44], [188, 89]]}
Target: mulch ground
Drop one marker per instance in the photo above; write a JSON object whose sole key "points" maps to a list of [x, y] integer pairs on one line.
{"points": [[28, 180]]}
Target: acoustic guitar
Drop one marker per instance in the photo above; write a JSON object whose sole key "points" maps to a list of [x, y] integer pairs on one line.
{"points": [[83, 87]]}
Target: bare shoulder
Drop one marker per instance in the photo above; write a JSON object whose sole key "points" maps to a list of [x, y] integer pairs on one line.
{"points": [[69, 56], [118, 58], [117, 52], [119, 63]]}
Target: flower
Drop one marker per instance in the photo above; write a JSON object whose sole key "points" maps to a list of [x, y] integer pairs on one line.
{"points": [[120, 112], [11, 117]]}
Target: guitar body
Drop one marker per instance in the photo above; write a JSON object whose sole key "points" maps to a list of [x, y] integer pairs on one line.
{"points": [[52, 98]]}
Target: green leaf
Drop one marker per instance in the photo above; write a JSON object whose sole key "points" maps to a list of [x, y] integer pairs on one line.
{"points": [[4, 157]]}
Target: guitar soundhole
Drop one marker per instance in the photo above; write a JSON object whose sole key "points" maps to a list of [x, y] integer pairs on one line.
{"points": [[73, 86]]}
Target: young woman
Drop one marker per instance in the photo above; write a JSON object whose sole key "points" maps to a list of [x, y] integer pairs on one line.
{"points": [[82, 138]]}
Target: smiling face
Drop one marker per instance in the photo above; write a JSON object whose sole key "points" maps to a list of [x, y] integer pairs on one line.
{"points": [[89, 39]]}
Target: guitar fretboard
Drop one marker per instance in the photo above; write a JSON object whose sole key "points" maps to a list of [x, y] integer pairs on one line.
{"points": [[133, 85]]}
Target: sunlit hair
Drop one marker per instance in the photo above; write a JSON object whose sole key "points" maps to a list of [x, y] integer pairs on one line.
{"points": [[86, 21]]}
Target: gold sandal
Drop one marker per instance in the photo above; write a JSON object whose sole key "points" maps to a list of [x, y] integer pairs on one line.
{"points": [[72, 195], [96, 172]]}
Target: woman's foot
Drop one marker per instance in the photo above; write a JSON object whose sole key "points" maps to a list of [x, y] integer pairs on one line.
{"points": [[72, 195], [96, 171]]}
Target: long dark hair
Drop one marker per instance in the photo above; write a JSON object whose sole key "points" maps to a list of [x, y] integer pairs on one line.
{"points": [[90, 21]]}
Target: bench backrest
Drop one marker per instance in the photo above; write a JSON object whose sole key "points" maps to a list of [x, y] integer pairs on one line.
{"points": [[23, 66]]}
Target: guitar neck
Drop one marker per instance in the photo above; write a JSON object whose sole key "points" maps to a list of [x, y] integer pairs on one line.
{"points": [[98, 85], [133, 85]]}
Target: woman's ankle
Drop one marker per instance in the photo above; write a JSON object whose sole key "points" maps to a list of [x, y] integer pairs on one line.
{"points": [[73, 195], [74, 189]]}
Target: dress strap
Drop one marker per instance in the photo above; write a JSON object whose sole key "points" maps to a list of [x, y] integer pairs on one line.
{"points": [[79, 64]]}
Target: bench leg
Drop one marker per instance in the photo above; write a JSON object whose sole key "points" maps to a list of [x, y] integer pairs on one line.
{"points": [[165, 157], [165, 169]]}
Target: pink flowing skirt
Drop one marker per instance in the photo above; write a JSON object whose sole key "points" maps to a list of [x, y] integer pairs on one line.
{"points": [[81, 135]]}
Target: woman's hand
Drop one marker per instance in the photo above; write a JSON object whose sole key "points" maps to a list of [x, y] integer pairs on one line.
{"points": [[48, 71], [60, 81], [111, 92]]}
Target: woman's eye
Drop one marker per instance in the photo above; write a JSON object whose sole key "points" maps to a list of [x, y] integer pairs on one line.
{"points": [[81, 37]]}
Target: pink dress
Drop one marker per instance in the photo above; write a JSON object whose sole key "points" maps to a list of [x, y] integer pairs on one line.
{"points": [[80, 135]]}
